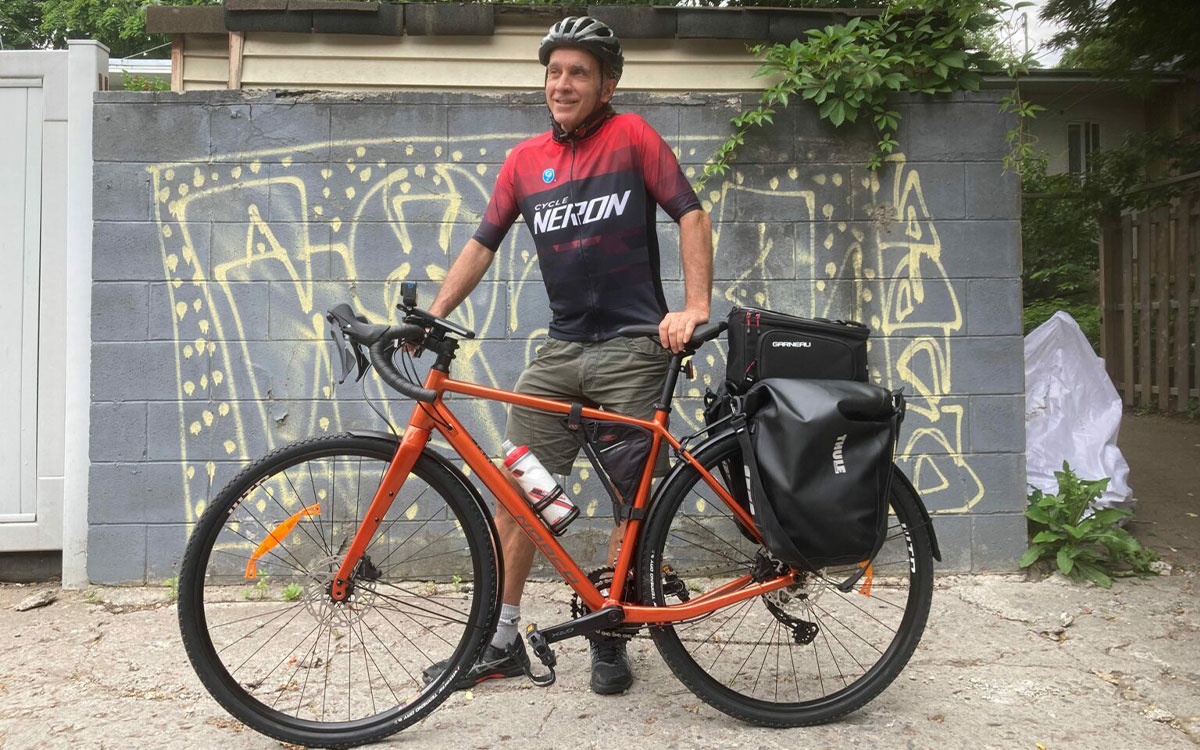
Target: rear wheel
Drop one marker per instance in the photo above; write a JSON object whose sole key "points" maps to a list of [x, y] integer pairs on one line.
{"points": [[803, 655], [269, 642]]}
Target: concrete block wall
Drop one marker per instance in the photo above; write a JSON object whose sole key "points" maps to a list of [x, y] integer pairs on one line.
{"points": [[227, 223]]}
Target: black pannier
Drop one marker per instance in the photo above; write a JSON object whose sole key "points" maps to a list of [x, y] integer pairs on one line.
{"points": [[767, 344], [820, 459]]}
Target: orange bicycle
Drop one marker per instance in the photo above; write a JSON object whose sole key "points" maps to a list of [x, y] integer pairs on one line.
{"points": [[327, 576]]}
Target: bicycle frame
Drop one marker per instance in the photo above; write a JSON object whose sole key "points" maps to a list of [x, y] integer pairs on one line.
{"points": [[426, 418]]}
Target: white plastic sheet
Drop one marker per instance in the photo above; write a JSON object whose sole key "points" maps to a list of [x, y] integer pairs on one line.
{"points": [[1072, 412]]}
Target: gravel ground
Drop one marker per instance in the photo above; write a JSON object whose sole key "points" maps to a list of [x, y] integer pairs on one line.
{"points": [[1004, 663]]}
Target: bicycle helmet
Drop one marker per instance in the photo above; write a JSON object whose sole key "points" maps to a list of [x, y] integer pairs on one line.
{"points": [[586, 33]]}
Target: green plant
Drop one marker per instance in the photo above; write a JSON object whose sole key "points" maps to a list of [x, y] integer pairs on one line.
{"points": [[849, 70], [292, 592], [1084, 547], [260, 590], [172, 587], [135, 82]]}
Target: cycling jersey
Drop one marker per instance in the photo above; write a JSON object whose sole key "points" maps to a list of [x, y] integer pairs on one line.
{"points": [[589, 203]]}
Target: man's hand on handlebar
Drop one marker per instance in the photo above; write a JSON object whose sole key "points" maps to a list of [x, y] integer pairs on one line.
{"points": [[676, 328]]}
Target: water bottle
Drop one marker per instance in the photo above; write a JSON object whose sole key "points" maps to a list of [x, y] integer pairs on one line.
{"points": [[542, 492]]}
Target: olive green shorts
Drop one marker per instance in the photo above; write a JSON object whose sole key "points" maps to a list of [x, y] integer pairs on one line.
{"points": [[620, 375]]}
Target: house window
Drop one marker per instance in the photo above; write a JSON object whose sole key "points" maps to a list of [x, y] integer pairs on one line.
{"points": [[1082, 139]]}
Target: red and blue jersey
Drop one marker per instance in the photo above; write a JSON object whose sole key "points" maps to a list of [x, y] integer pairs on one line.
{"points": [[590, 205]]}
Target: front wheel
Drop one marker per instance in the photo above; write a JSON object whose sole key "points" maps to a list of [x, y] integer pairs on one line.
{"points": [[803, 655], [270, 643]]}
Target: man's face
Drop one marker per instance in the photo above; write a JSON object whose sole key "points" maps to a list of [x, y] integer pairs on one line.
{"points": [[575, 86]]}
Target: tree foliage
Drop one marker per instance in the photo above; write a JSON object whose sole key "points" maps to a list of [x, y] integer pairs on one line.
{"points": [[849, 70], [1127, 38], [118, 24]]}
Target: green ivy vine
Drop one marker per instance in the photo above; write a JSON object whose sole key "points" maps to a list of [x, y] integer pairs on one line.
{"points": [[849, 70]]}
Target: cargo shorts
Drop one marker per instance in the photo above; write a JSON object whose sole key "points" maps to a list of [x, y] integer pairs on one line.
{"points": [[621, 375]]}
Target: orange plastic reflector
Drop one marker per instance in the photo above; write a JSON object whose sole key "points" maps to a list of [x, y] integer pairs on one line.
{"points": [[277, 535], [865, 589]]}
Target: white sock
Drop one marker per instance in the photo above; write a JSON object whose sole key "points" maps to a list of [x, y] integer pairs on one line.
{"points": [[506, 628]]}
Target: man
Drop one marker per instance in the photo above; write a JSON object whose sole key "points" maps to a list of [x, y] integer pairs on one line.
{"points": [[587, 190]]}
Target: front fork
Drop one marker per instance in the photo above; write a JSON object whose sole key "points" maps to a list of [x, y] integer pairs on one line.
{"points": [[416, 436]]}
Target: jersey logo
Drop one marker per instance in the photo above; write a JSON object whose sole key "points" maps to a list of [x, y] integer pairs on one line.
{"points": [[548, 176], [561, 214]]}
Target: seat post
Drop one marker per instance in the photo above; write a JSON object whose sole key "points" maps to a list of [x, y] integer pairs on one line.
{"points": [[668, 391]]}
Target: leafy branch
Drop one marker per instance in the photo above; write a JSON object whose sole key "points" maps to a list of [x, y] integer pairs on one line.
{"points": [[849, 70]]}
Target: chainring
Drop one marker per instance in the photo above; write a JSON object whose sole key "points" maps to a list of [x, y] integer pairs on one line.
{"points": [[602, 579]]}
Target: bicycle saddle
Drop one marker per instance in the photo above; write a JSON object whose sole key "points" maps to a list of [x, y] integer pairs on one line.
{"points": [[701, 334]]}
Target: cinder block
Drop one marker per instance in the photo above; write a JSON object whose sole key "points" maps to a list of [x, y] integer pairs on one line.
{"points": [[121, 192], [119, 311], [164, 550], [992, 193], [997, 424], [377, 251], [998, 542], [503, 128], [770, 193], [136, 493], [953, 533], [141, 371], [116, 554], [754, 250], [933, 191], [993, 307], [178, 430], [990, 364], [391, 133], [130, 131], [229, 311], [284, 249], [127, 251], [980, 249], [269, 133], [953, 131], [118, 432]]}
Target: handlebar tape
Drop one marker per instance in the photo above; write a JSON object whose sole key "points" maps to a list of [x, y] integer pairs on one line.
{"points": [[382, 360]]}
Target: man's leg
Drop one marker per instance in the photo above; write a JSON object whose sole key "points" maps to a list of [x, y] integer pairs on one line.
{"points": [[625, 376]]}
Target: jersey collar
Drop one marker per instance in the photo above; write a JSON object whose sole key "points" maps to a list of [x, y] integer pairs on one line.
{"points": [[586, 129]]}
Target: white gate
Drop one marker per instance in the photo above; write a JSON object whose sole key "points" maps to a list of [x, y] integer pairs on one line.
{"points": [[45, 297], [20, 256]]}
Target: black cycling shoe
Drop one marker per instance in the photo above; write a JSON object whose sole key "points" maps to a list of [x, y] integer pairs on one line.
{"points": [[493, 664], [611, 674]]}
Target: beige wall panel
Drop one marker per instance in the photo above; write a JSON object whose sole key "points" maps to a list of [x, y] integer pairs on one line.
{"points": [[504, 61]]}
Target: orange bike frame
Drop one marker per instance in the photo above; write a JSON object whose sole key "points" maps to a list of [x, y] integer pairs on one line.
{"points": [[437, 416]]}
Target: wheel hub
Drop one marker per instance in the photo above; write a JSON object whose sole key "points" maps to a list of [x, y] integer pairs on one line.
{"points": [[319, 601]]}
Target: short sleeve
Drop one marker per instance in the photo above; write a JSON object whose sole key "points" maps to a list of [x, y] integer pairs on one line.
{"points": [[660, 170], [502, 209]]}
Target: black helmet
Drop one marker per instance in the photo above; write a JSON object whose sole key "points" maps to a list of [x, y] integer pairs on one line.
{"points": [[589, 34]]}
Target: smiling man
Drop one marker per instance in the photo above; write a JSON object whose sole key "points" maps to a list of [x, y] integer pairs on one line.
{"points": [[588, 191]]}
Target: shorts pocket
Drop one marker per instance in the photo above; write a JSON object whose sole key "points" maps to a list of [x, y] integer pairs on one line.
{"points": [[646, 349]]}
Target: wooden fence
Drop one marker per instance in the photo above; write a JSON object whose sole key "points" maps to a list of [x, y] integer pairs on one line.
{"points": [[1150, 301]]}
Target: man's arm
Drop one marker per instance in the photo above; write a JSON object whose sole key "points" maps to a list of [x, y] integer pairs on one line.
{"points": [[470, 266], [696, 250]]}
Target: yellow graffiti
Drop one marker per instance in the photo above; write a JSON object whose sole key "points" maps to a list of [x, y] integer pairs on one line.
{"points": [[261, 216]]}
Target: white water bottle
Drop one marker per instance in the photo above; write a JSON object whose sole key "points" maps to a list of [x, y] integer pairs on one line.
{"points": [[542, 492]]}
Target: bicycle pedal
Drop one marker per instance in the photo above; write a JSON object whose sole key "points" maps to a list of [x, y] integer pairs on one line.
{"points": [[673, 585], [541, 649]]}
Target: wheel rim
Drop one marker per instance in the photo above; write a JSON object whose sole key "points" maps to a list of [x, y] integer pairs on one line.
{"points": [[284, 647], [748, 654]]}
